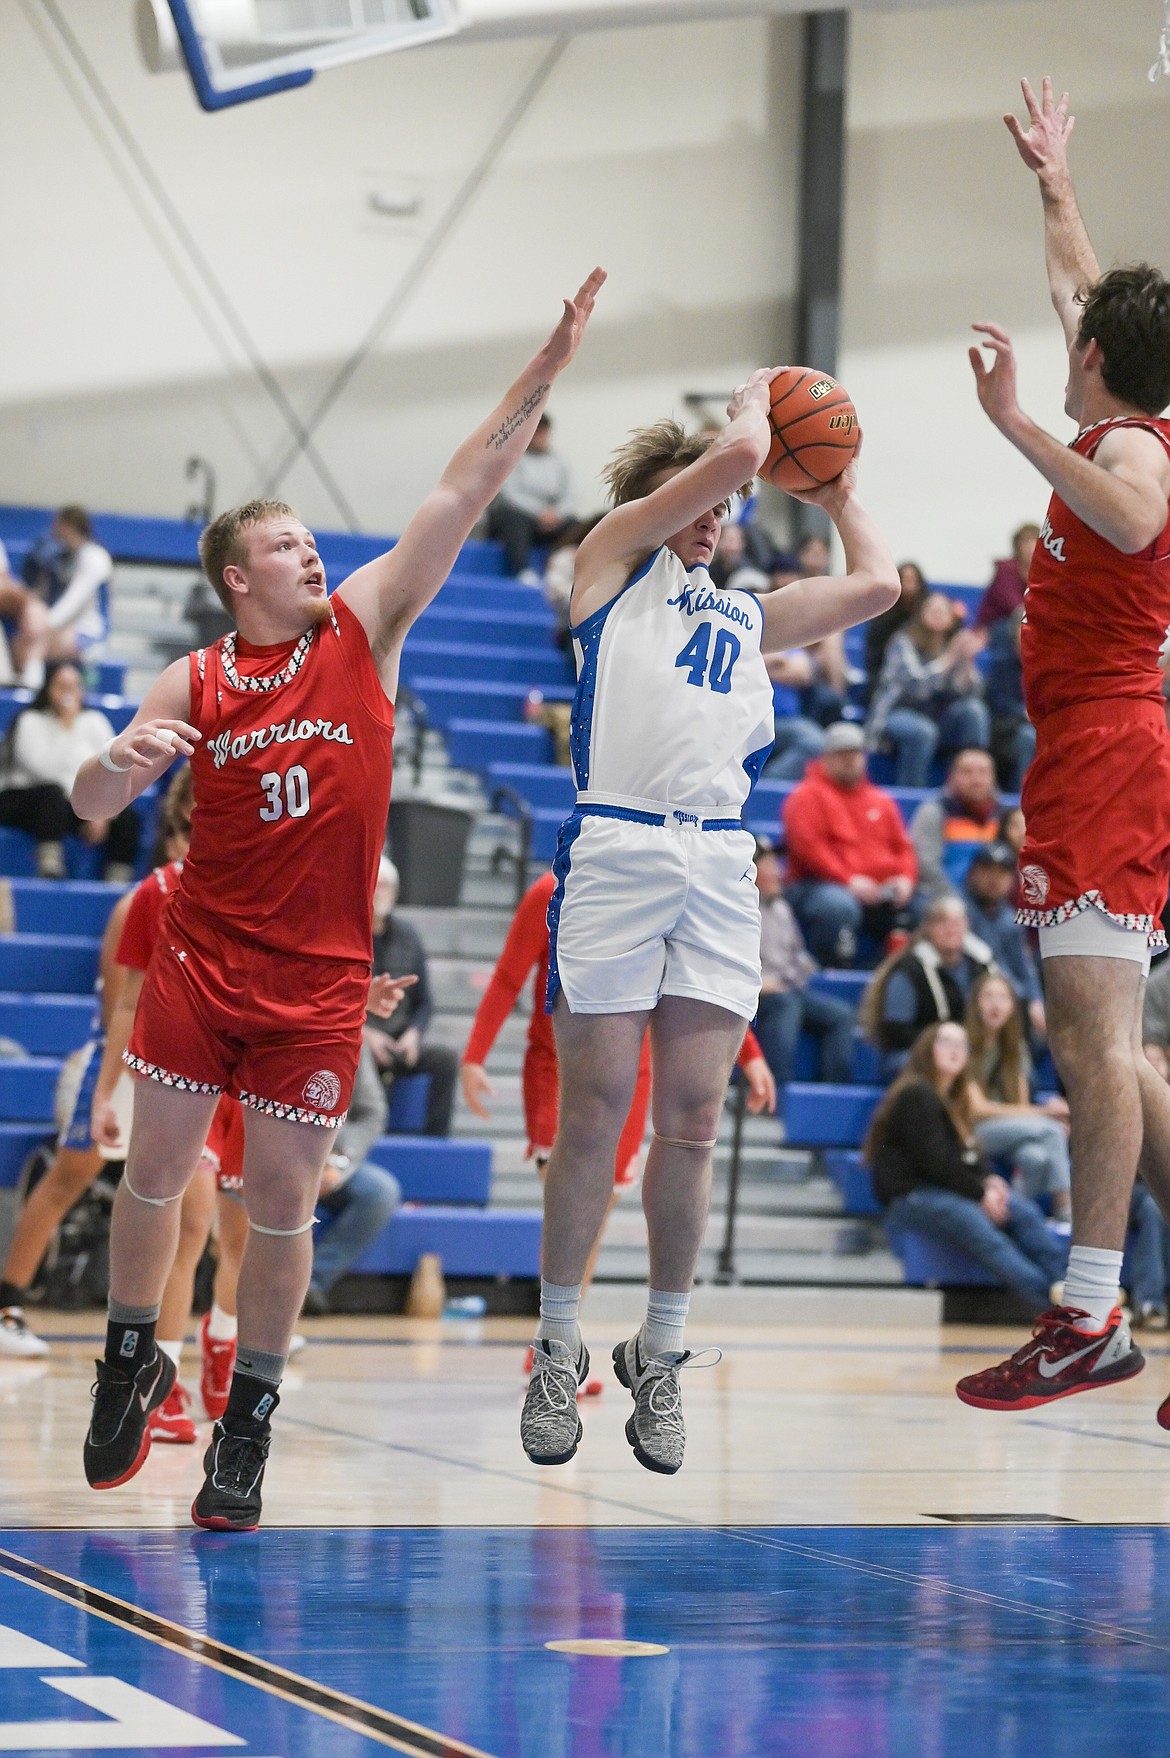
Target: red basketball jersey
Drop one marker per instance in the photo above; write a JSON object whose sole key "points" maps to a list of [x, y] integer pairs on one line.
{"points": [[1095, 619], [292, 790]]}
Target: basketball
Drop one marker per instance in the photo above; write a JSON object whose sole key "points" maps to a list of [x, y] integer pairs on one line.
{"points": [[814, 429]]}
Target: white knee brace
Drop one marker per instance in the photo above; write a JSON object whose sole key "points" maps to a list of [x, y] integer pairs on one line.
{"points": [[282, 1232], [156, 1202], [674, 1141]]}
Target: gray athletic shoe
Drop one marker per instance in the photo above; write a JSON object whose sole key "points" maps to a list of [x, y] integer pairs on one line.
{"points": [[656, 1431], [549, 1425]]}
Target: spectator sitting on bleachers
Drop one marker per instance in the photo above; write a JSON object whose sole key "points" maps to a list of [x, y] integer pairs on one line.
{"points": [[947, 830], [397, 1043], [927, 984], [44, 748], [359, 1196], [558, 573], [787, 1005], [823, 699], [881, 631], [733, 566], [1008, 1126], [929, 1177], [64, 616], [1013, 737], [991, 880], [535, 504], [1006, 591], [929, 694], [851, 865], [798, 739]]}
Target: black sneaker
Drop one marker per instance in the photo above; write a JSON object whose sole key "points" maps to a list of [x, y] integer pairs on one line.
{"points": [[119, 1428], [234, 1462]]}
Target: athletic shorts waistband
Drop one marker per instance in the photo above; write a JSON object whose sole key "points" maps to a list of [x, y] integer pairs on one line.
{"points": [[658, 813]]}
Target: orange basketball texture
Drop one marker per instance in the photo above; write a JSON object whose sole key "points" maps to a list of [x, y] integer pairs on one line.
{"points": [[814, 429]]}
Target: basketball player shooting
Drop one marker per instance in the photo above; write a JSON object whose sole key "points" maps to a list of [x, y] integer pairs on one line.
{"points": [[1096, 799], [655, 917], [258, 984]]}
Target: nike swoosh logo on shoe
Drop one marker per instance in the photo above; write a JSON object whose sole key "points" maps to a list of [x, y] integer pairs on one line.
{"points": [[145, 1397], [1048, 1370]]}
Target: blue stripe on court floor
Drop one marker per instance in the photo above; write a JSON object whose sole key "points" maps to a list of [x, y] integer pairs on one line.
{"points": [[1026, 1642]]}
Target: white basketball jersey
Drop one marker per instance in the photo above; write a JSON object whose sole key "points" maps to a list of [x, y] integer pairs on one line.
{"points": [[674, 702]]}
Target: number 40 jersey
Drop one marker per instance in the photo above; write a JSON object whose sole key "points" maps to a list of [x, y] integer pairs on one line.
{"points": [[673, 710], [292, 790]]}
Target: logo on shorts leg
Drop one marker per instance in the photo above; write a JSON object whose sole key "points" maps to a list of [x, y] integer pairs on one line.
{"points": [[1034, 883], [322, 1090]]}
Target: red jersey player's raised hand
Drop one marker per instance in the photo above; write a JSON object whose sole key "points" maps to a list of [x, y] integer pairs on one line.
{"points": [[388, 594], [1043, 145]]}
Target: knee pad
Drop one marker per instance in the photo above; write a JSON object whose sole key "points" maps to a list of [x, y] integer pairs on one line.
{"points": [[675, 1141], [282, 1232], [155, 1202]]}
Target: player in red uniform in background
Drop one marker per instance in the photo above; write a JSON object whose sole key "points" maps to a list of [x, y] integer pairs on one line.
{"points": [[258, 986], [1097, 797], [526, 949]]}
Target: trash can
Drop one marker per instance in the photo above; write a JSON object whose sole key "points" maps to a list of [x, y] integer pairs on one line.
{"points": [[428, 843]]}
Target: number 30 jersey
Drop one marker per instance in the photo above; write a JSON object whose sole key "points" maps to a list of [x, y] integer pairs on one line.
{"points": [[674, 704], [292, 790]]}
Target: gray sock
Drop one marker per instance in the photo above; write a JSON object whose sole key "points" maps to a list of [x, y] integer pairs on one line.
{"points": [[259, 1366], [132, 1315]]}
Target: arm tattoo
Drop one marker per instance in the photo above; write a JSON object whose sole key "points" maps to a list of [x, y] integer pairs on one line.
{"points": [[503, 433]]}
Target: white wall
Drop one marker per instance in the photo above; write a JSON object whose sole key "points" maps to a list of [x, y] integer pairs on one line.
{"points": [[667, 154], [944, 228]]}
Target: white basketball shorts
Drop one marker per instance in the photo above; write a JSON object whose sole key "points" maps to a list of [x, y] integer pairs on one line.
{"points": [[646, 910]]}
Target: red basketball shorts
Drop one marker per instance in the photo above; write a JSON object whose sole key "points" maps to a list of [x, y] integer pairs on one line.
{"points": [[1096, 803], [225, 1146], [221, 1015], [541, 1086]]}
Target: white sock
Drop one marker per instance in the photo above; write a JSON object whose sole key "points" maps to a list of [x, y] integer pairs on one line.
{"points": [[559, 1309], [1093, 1283], [221, 1325], [174, 1350], [666, 1317]]}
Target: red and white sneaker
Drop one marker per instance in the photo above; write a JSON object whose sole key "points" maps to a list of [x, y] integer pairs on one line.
{"points": [[170, 1422], [1058, 1361], [218, 1361]]}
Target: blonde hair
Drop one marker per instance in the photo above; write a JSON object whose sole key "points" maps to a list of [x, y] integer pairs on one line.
{"points": [[221, 545], [1008, 1042], [632, 472], [920, 1068]]}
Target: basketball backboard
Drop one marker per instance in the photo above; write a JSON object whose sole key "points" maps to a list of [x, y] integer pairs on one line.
{"points": [[235, 50]]}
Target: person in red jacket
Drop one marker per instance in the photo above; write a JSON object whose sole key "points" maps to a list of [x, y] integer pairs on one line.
{"points": [[851, 865], [526, 949]]}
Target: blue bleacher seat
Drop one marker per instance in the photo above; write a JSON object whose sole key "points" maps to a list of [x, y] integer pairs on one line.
{"points": [[866, 1069], [62, 964], [437, 1169], [17, 1141], [27, 1086], [448, 699], [482, 663], [70, 906], [476, 744], [471, 1242], [823, 1115], [847, 986], [930, 1263], [853, 1180], [408, 1104], [46, 1025], [511, 628], [542, 785]]}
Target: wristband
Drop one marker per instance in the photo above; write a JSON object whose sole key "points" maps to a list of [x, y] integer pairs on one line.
{"points": [[107, 762]]}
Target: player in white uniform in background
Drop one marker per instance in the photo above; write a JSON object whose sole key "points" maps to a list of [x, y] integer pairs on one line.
{"points": [[655, 916]]}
